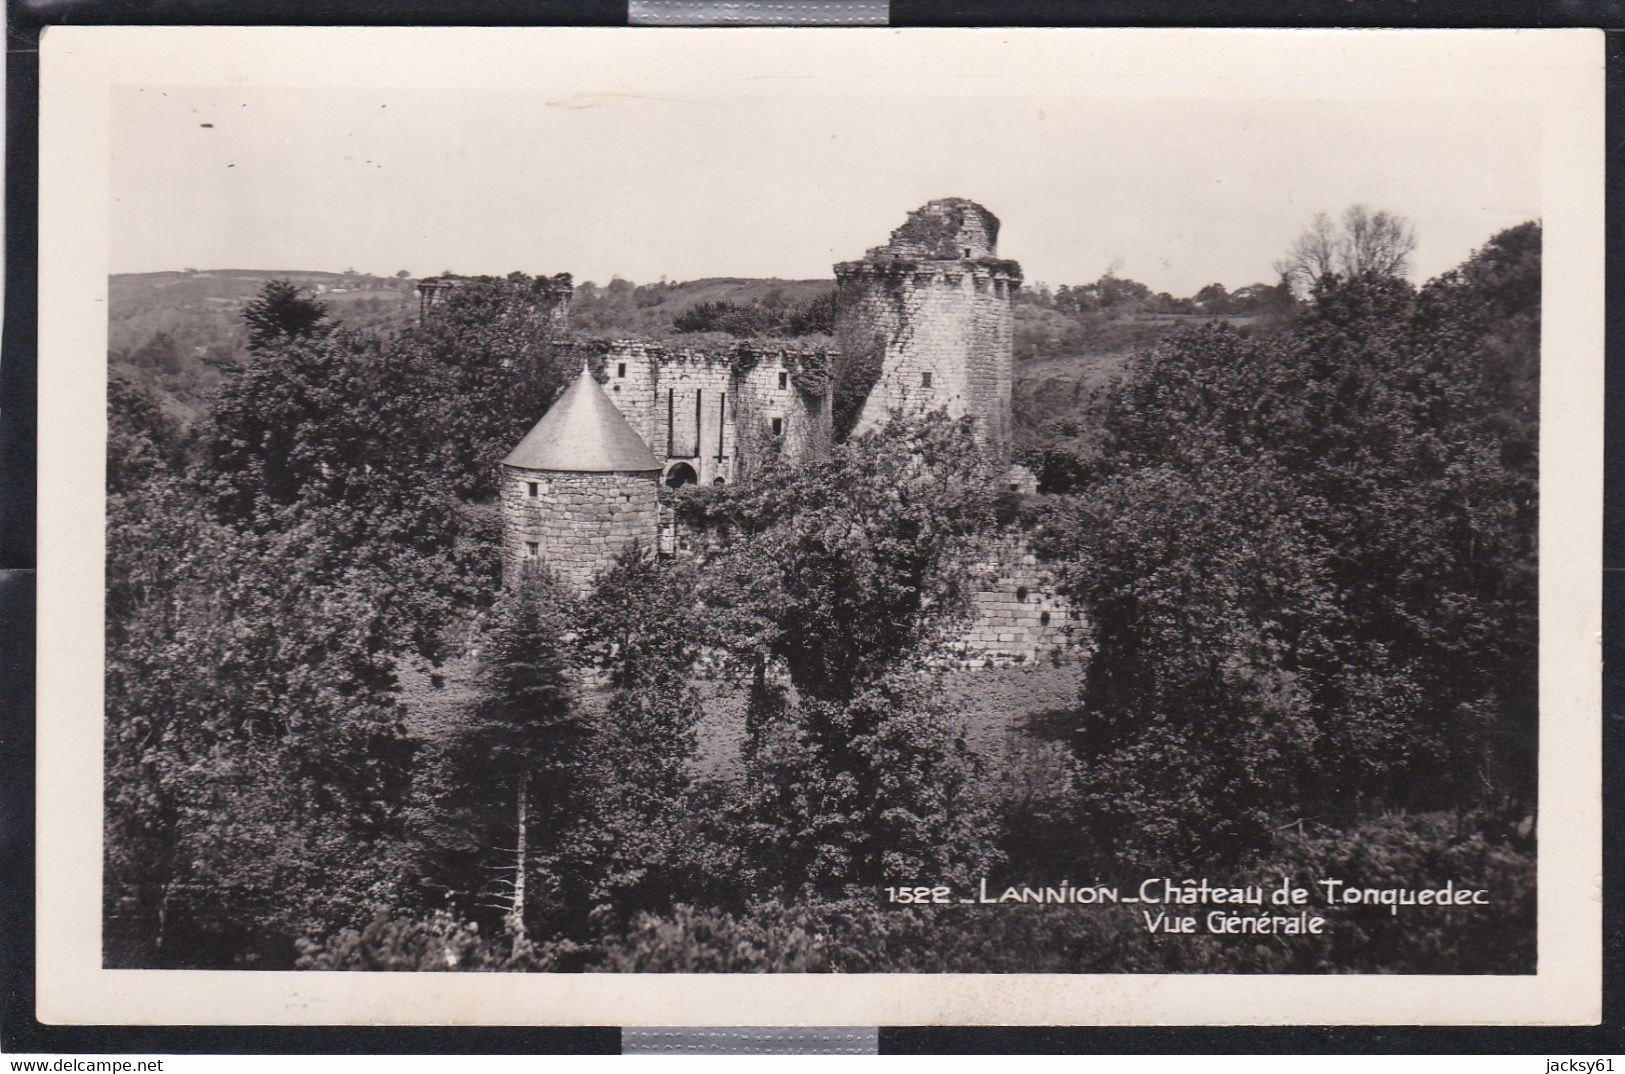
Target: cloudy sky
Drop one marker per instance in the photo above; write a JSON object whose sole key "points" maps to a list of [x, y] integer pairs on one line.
{"points": [[748, 155]]}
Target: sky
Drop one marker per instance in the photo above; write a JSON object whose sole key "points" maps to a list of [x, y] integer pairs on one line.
{"points": [[763, 162]]}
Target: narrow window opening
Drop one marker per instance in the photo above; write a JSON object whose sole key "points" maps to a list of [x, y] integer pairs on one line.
{"points": [[967, 251], [699, 423], [1021, 593], [784, 381], [722, 420], [620, 369], [532, 549], [925, 380], [1043, 618], [670, 430], [530, 489], [778, 426]]}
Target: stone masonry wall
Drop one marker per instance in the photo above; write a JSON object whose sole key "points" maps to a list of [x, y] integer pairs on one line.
{"points": [[951, 320], [657, 387], [694, 412], [767, 392], [1018, 616], [631, 375], [576, 524]]}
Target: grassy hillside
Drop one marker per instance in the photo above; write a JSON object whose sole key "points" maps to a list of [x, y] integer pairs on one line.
{"points": [[1062, 358]]}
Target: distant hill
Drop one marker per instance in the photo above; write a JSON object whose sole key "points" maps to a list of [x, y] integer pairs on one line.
{"points": [[651, 309], [180, 333]]}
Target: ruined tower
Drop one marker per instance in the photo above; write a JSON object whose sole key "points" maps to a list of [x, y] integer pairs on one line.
{"points": [[579, 488], [926, 320]]}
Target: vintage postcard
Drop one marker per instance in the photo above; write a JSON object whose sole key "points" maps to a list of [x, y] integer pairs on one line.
{"points": [[820, 527]]}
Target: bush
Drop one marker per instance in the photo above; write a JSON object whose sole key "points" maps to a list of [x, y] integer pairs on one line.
{"points": [[397, 941]]}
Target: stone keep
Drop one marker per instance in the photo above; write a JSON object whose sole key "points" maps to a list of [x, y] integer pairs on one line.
{"points": [[933, 309], [578, 490]]}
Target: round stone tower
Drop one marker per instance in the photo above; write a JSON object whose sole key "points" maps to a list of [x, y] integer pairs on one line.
{"points": [[927, 319], [579, 488]]}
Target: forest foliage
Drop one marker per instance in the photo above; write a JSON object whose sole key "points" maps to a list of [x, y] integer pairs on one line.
{"points": [[1305, 550]]}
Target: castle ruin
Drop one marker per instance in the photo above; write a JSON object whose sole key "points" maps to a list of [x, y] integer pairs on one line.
{"points": [[924, 322], [930, 315]]}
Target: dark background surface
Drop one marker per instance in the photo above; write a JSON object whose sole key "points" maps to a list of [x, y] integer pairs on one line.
{"points": [[20, 1032]]}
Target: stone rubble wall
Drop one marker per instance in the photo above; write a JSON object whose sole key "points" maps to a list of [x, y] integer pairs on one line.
{"points": [[946, 227], [1017, 615], [580, 522]]}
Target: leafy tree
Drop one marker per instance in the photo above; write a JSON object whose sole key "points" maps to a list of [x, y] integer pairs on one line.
{"points": [[467, 383], [772, 315], [321, 505], [814, 317], [1109, 292], [637, 843], [723, 316], [282, 311], [1064, 452], [1212, 299], [861, 555], [143, 442], [842, 574], [255, 756], [160, 353]]}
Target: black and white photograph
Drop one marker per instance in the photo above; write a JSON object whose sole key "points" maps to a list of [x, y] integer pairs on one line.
{"points": [[827, 504]]}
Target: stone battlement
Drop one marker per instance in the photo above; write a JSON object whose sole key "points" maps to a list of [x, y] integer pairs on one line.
{"points": [[741, 353], [1003, 275]]}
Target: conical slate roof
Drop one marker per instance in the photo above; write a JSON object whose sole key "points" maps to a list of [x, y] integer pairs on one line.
{"points": [[582, 431]]}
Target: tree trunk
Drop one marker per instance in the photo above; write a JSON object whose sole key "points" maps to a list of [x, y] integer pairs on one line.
{"points": [[516, 909]]}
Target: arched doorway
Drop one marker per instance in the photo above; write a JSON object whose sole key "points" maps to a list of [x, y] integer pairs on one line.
{"points": [[681, 474]]}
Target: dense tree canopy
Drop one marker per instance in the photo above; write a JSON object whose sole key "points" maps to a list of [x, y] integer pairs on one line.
{"points": [[1325, 538]]}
